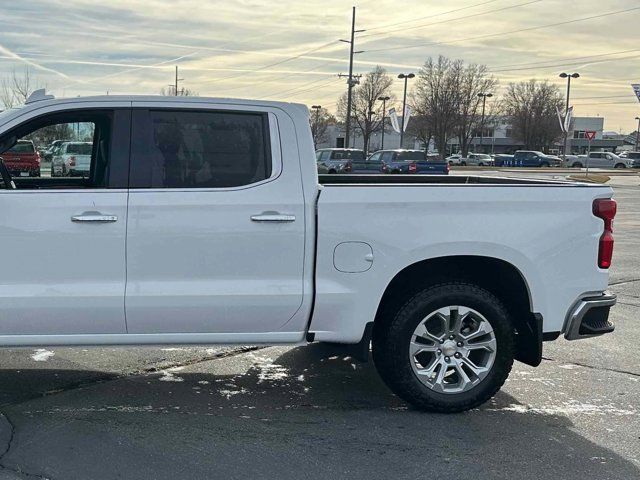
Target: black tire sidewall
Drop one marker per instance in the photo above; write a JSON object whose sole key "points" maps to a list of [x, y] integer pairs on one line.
{"points": [[395, 367]]}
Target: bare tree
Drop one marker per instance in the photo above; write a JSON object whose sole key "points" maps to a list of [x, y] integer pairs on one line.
{"points": [[437, 98], [183, 92], [320, 120], [420, 128], [16, 89], [531, 107], [366, 110], [474, 80]]}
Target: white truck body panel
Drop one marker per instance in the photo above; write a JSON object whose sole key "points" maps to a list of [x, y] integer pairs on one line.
{"points": [[547, 232], [200, 271]]}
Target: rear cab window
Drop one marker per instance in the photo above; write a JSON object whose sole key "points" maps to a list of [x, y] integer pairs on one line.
{"points": [[173, 148]]}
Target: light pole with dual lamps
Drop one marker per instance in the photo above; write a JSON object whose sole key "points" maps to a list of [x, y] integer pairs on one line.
{"points": [[568, 76], [484, 97], [404, 77]]}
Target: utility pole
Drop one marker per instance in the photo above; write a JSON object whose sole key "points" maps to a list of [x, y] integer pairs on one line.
{"points": [[350, 81], [404, 103], [484, 100], [638, 135], [175, 84], [384, 116], [568, 76]]}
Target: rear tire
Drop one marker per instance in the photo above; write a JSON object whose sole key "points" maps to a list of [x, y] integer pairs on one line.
{"points": [[577, 165], [479, 365], [544, 165]]}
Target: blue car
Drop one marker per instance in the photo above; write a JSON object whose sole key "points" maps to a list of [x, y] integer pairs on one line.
{"points": [[530, 158], [410, 162]]}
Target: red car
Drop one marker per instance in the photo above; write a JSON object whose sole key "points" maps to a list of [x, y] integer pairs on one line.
{"points": [[22, 160]]}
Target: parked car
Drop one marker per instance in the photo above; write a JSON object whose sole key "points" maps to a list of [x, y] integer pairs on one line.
{"points": [[337, 160], [532, 158], [72, 159], [372, 164], [477, 160], [500, 159], [22, 159], [635, 156], [52, 149], [412, 161], [455, 159], [603, 160], [449, 278]]}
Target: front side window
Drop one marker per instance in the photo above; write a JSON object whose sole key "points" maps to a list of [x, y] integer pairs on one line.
{"points": [[199, 149], [82, 150]]}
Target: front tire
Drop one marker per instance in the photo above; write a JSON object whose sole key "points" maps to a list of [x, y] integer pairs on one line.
{"points": [[620, 165], [577, 165], [448, 349]]}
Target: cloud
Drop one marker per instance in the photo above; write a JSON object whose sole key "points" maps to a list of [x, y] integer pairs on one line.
{"points": [[256, 48]]}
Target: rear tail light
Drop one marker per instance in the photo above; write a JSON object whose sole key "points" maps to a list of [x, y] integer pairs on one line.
{"points": [[605, 208], [384, 167], [413, 168], [72, 161], [447, 168], [347, 167]]}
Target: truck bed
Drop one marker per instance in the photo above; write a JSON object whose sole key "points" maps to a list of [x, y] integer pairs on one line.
{"points": [[440, 180]]}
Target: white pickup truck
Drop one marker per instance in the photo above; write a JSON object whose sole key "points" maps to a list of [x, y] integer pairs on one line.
{"points": [[203, 221]]}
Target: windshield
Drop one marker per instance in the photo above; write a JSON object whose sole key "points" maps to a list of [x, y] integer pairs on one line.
{"points": [[22, 147], [79, 148], [411, 156], [347, 155]]}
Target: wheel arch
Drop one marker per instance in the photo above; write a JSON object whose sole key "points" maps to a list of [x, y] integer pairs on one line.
{"points": [[500, 277]]}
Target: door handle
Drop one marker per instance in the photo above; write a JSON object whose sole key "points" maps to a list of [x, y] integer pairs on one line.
{"points": [[273, 217], [94, 217]]}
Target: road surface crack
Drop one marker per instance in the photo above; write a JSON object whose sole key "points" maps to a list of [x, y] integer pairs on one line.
{"points": [[144, 371], [622, 282], [16, 470], [592, 367]]}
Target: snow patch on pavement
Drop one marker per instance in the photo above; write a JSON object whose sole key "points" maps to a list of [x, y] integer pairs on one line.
{"points": [[568, 408], [168, 375], [42, 355]]}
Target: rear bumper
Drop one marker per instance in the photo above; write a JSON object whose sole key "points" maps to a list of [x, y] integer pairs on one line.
{"points": [[589, 317]]}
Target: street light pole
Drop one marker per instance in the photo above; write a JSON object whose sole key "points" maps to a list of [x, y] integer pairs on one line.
{"points": [[384, 116], [484, 97], [568, 76], [638, 135], [404, 77]]}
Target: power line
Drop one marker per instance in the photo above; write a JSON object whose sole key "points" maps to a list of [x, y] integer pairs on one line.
{"points": [[538, 67], [568, 58], [501, 34], [279, 62], [478, 14], [603, 96], [293, 89], [428, 16]]}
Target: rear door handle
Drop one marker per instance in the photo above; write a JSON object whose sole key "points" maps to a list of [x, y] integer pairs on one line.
{"points": [[273, 217], [94, 217]]}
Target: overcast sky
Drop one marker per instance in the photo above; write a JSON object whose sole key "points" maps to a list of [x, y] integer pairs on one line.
{"points": [[289, 50]]}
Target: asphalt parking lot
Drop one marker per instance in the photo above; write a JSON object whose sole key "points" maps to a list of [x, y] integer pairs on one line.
{"points": [[313, 412]]}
